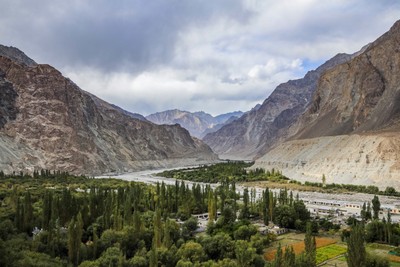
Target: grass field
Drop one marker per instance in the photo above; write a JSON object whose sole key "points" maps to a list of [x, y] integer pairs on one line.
{"points": [[329, 252], [382, 250], [328, 249], [298, 247]]}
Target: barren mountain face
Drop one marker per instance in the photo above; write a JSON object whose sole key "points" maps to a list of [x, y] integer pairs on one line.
{"points": [[362, 95], [46, 121], [255, 132], [353, 121]]}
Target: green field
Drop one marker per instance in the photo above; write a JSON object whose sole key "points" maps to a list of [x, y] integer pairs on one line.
{"points": [[329, 252]]}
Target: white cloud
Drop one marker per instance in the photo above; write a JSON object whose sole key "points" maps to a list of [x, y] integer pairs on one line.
{"points": [[273, 67]]}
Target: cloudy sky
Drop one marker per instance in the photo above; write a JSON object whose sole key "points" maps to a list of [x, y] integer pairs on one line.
{"points": [[216, 56]]}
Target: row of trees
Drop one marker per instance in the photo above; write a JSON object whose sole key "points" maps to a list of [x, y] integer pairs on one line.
{"points": [[367, 189], [232, 171]]}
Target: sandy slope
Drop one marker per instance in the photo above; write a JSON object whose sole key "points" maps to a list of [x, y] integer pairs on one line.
{"points": [[350, 159]]}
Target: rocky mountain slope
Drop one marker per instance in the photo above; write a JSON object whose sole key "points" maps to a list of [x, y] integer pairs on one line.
{"points": [[350, 132], [256, 131], [47, 121], [197, 123]]}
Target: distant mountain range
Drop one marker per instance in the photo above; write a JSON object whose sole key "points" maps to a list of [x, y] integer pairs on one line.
{"points": [[47, 121], [341, 120], [259, 129], [197, 123]]}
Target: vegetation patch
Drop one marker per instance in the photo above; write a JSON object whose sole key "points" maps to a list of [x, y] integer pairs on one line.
{"points": [[299, 247], [227, 171], [329, 252]]}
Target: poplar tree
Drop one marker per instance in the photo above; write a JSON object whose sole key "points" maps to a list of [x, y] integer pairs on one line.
{"points": [[212, 206], [376, 206], [19, 217], [278, 262], [157, 229], [28, 212], [245, 210], [167, 241], [46, 209], [265, 206], [356, 253], [289, 257], [389, 227], [75, 230], [310, 247]]}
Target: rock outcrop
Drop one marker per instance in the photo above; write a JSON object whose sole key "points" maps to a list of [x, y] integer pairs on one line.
{"points": [[197, 123], [47, 121], [350, 131], [256, 131]]}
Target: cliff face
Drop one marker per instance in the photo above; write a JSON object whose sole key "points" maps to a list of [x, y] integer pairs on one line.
{"points": [[350, 130], [360, 96], [46, 121], [197, 123], [256, 131]]}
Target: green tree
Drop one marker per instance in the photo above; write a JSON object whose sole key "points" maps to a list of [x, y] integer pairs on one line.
{"points": [[244, 232], [278, 261], [376, 206], [364, 212], [289, 258], [285, 216], [36, 259], [219, 246], [244, 253], [189, 226], [138, 261], [157, 225], [46, 209], [191, 251], [244, 214], [356, 253], [212, 206], [153, 257], [75, 230], [28, 213], [310, 247], [112, 257]]}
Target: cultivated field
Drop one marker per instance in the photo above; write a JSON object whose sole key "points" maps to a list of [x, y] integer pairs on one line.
{"points": [[297, 242], [330, 251]]}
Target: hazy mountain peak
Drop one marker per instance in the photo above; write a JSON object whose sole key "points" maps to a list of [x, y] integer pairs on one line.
{"points": [[258, 129], [197, 123]]}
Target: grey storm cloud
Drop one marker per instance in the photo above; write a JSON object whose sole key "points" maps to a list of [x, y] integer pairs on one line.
{"points": [[107, 34], [216, 56]]}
